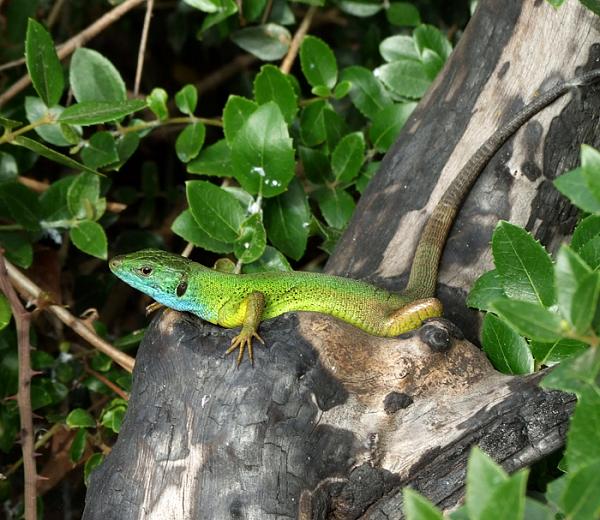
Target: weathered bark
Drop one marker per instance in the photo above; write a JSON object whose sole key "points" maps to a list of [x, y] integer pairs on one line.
{"points": [[332, 422]]}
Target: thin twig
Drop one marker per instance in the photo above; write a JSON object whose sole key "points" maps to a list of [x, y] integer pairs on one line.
{"points": [[288, 61], [41, 187], [76, 41], [103, 379], [142, 49], [31, 291], [54, 13], [22, 321], [38, 444], [12, 64]]}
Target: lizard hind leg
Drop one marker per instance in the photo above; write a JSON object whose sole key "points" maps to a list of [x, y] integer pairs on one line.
{"points": [[411, 316], [252, 306]]}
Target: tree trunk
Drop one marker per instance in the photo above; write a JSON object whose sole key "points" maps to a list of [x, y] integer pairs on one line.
{"points": [[332, 422]]}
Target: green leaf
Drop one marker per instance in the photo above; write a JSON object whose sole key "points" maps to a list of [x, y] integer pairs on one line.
{"points": [[43, 64], [186, 227], [583, 438], [360, 8], [523, 265], [94, 78], [206, 6], [5, 312], [586, 230], [549, 354], [405, 78], [77, 448], [592, 5], [21, 204], [79, 418], [570, 269], [507, 350], [17, 248], [35, 109], [487, 288], [252, 9], [187, 99], [225, 10], [252, 240], [483, 478], [267, 42], [321, 91], [315, 165], [348, 156], [53, 201], [387, 124], [96, 112], [555, 3], [89, 237], [262, 154], [271, 84], [312, 123], [403, 14], [90, 465], [585, 302], [508, 499], [235, 114], [215, 210], [336, 206], [417, 507], [590, 164], [576, 375], [590, 252], [335, 128], [432, 63], [287, 219], [342, 89], [573, 185], [113, 414], [157, 102], [9, 169], [190, 141], [399, 47], [101, 150], [530, 319], [367, 93], [9, 123], [318, 62], [271, 260], [430, 37], [213, 160], [581, 499], [51, 154], [83, 195]]}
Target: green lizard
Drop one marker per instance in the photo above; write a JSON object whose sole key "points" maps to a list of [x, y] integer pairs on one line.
{"points": [[233, 300]]}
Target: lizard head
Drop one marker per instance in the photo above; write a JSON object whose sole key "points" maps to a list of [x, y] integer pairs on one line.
{"points": [[161, 275]]}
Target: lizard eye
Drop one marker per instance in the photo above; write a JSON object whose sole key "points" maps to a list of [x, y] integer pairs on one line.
{"points": [[146, 271]]}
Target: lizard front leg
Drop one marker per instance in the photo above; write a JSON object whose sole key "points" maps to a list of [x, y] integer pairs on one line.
{"points": [[252, 306]]}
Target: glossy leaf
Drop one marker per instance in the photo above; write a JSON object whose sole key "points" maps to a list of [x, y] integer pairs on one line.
{"points": [[96, 112], [79, 418], [397, 48], [262, 153], [507, 350], [367, 93], [404, 77], [213, 160], [287, 220], [187, 99], [529, 319], [78, 445], [585, 302], [83, 195], [487, 289], [403, 14], [43, 64], [235, 114], [315, 164], [252, 241], [336, 206], [271, 260], [318, 62], [569, 271], [590, 164], [267, 42], [387, 124], [347, 157], [581, 499], [226, 9], [573, 185], [89, 236], [430, 37], [8, 167], [21, 204], [206, 6], [549, 354], [523, 265], [157, 102], [90, 465], [271, 84], [586, 230], [17, 248], [186, 227], [5, 311], [93, 77], [100, 150], [417, 507], [190, 141], [483, 478], [215, 210], [35, 109], [312, 123]]}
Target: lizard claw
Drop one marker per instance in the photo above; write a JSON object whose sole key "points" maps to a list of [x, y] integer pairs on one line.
{"points": [[241, 341]]}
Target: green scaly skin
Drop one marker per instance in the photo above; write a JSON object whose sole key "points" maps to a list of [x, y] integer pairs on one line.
{"points": [[232, 300]]}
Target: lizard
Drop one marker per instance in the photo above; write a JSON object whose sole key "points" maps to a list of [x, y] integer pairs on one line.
{"points": [[232, 300]]}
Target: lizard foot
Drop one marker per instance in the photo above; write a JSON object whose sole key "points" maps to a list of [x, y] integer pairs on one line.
{"points": [[241, 341]]}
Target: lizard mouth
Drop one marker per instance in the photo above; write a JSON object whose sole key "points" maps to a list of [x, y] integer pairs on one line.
{"points": [[115, 263]]}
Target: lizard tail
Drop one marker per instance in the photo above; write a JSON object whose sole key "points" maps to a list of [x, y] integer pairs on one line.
{"points": [[423, 274]]}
